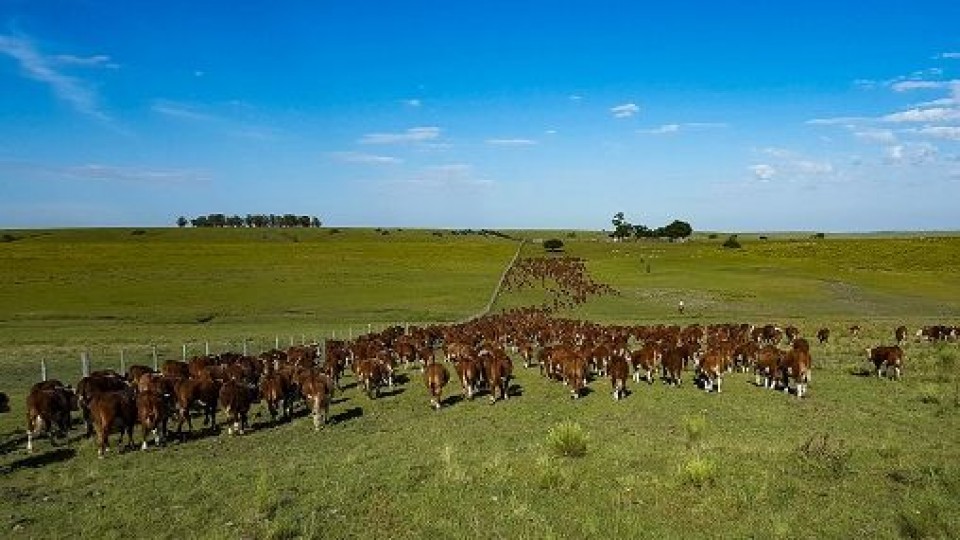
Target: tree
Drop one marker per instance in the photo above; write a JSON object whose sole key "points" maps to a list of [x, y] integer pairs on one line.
{"points": [[621, 227], [553, 245], [182, 222], [677, 229]]}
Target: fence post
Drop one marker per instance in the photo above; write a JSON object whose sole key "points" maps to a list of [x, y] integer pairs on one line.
{"points": [[155, 366], [206, 348], [84, 364], [43, 369], [184, 354], [245, 346], [291, 341], [123, 366], [276, 341]]}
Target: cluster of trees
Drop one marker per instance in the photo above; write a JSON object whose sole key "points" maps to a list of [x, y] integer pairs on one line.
{"points": [[623, 229], [285, 221]]}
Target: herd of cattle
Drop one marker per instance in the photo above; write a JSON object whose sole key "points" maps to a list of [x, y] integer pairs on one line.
{"points": [[565, 278], [481, 353]]}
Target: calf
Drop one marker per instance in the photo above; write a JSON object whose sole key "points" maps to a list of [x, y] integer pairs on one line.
{"points": [[436, 377], [887, 358], [48, 410], [235, 397], [900, 334], [152, 412], [109, 410], [619, 370]]}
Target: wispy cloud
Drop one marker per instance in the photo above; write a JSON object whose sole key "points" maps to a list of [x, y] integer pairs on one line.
{"points": [[667, 129], [182, 111], [360, 157], [763, 172], [412, 135], [951, 55], [77, 93], [105, 173], [912, 153], [625, 111], [906, 86], [933, 114], [575, 97], [139, 175], [941, 132], [881, 136], [837, 121], [412, 102], [453, 177], [511, 142], [95, 61]]}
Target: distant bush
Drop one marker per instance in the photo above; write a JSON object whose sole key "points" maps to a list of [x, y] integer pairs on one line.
{"points": [[138, 232], [712, 236], [8, 238], [819, 235], [333, 231], [732, 242], [571, 234], [567, 439], [763, 238], [553, 245]]}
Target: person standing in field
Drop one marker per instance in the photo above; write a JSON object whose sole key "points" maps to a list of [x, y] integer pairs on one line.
{"points": [[680, 307]]}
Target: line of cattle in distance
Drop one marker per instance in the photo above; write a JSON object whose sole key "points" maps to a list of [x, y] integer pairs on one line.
{"points": [[569, 351]]}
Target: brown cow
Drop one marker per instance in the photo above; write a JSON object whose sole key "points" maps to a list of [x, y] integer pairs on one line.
{"points": [[886, 358], [672, 366], [795, 364], [575, 375], [114, 409], [48, 410], [175, 369], [644, 362], [236, 397], [468, 372], [189, 392], [765, 370], [135, 371], [152, 412], [710, 370], [900, 334], [317, 388], [498, 370], [371, 374], [823, 335], [619, 370], [278, 393], [91, 385], [436, 376]]}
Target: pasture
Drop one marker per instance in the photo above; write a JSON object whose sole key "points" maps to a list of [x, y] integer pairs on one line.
{"points": [[858, 456]]}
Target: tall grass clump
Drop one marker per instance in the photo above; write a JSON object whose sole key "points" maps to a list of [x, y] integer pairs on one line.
{"points": [[698, 470], [567, 439], [832, 456]]}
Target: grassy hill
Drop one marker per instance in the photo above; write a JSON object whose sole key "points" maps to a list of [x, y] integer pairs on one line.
{"points": [[860, 456]]}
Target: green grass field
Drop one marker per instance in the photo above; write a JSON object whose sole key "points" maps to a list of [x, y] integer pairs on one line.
{"points": [[858, 457]]}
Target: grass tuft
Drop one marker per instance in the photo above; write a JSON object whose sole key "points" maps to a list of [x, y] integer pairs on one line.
{"points": [[567, 439], [828, 455], [698, 472], [694, 428]]}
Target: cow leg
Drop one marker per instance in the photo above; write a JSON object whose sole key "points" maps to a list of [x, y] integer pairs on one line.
{"points": [[316, 413], [146, 431]]}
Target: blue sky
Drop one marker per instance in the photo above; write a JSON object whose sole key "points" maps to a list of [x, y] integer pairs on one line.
{"points": [[762, 116]]}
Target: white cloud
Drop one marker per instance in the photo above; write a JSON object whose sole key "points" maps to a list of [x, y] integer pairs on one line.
{"points": [[75, 92], [575, 97], [360, 157], [138, 175], [934, 114], [941, 132], [412, 102], [812, 167], [906, 86], [662, 130], [551, 132], [763, 172], [181, 111], [625, 111], [951, 55], [456, 177], [840, 120], [912, 153], [882, 136], [417, 134], [96, 61], [511, 142]]}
